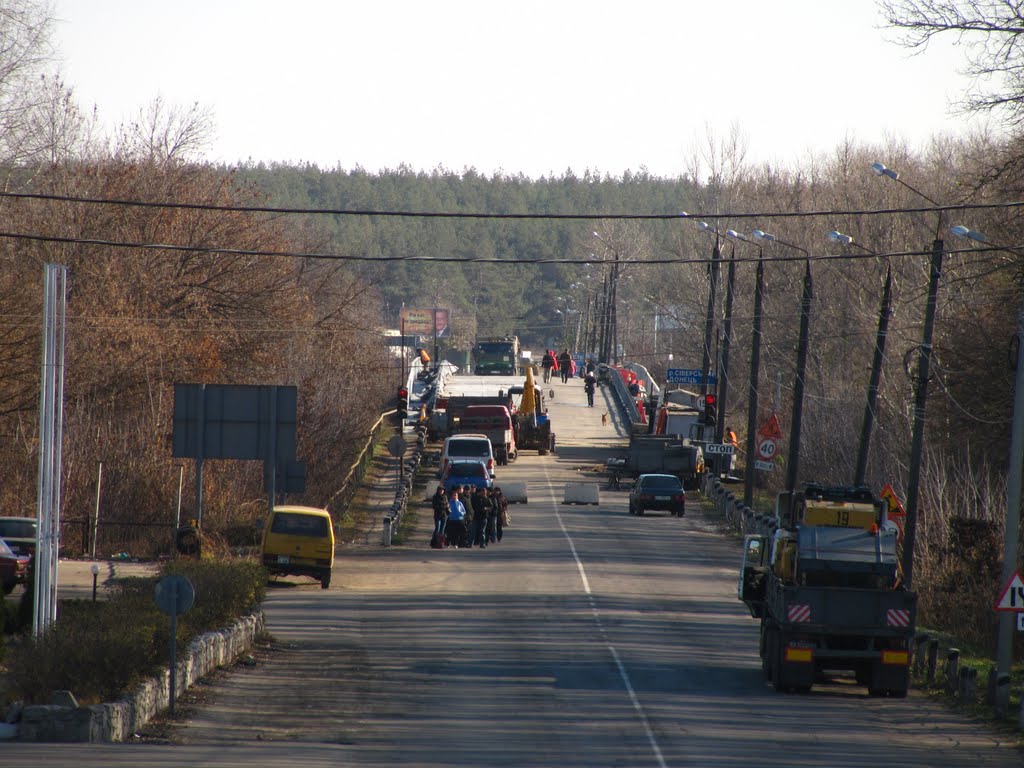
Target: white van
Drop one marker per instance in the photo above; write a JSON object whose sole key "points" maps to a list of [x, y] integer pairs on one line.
{"points": [[468, 446]]}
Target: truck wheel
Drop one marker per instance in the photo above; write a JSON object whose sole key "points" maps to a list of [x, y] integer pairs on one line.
{"points": [[639, 511], [325, 579]]}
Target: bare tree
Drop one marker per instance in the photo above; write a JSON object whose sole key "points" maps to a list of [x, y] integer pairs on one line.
{"points": [[990, 30], [163, 133]]}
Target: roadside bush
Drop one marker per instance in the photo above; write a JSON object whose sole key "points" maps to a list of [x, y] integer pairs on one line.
{"points": [[99, 650]]}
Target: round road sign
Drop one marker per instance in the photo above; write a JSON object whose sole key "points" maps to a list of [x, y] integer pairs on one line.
{"points": [[766, 448], [174, 594], [396, 446]]}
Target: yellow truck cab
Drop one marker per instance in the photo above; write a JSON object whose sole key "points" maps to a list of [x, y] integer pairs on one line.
{"points": [[299, 541]]}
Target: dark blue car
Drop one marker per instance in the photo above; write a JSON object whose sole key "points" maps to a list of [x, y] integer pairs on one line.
{"points": [[466, 473]]}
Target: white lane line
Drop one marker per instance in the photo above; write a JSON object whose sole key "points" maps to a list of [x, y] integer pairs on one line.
{"points": [[604, 635]]}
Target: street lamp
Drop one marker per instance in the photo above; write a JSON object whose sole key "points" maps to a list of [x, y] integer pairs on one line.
{"points": [[920, 383], [884, 313], [1004, 645]]}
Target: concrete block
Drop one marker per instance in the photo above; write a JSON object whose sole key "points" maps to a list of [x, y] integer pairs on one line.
{"points": [[514, 492], [581, 493]]}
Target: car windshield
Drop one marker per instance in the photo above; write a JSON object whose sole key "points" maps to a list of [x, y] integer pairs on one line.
{"points": [[661, 483], [468, 469], [469, 448]]}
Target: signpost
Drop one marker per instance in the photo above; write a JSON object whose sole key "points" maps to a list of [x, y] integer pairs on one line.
{"points": [[768, 437], [174, 594], [690, 376], [723, 449]]}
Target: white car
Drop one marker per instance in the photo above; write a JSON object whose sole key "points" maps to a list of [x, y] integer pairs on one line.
{"points": [[469, 447]]}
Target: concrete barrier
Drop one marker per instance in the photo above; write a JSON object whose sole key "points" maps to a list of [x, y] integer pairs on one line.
{"points": [[514, 492], [581, 493]]}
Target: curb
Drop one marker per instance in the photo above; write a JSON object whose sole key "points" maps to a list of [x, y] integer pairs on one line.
{"points": [[119, 720]]}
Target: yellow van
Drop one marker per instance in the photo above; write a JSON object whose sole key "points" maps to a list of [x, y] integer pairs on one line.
{"points": [[299, 541]]}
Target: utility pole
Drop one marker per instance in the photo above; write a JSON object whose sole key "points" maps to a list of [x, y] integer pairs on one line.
{"points": [[884, 313], [755, 365], [709, 324], [723, 378], [920, 402], [793, 465]]}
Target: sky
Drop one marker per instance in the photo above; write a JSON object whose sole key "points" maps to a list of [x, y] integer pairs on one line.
{"points": [[536, 88]]}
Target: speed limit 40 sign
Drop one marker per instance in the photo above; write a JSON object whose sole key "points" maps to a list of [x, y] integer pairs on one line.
{"points": [[766, 448]]}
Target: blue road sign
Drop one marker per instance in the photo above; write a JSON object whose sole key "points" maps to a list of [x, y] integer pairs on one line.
{"points": [[690, 376]]}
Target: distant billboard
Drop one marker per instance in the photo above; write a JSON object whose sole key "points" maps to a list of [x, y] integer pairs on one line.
{"points": [[425, 321]]}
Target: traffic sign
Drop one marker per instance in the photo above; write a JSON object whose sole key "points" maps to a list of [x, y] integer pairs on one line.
{"points": [[771, 428], [1012, 598], [766, 448], [692, 376], [764, 466], [722, 448]]}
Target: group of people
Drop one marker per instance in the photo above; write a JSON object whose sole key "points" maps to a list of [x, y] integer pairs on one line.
{"points": [[469, 517], [562, 363]]}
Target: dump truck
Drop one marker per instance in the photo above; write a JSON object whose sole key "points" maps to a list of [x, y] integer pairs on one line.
{"points": [[497, 357], [826, 587], [659, 454]]}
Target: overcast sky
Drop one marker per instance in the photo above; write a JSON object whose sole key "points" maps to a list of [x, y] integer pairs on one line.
{"points": [[530, 87]]}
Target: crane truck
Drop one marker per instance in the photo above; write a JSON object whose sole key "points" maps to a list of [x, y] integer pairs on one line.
{"points": [[826, 587]]}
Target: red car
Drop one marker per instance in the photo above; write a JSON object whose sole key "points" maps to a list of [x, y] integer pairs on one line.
{"points": [[13, 568]]}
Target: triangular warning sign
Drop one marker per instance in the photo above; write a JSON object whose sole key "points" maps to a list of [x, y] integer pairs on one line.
{"points": [[770, 428], [1012, 598]]}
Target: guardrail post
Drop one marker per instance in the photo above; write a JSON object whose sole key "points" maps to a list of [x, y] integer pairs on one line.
{"points": [[933, 659], [387, 531], [952, 674], [1001, 697], [921, 642], [967, 685]]}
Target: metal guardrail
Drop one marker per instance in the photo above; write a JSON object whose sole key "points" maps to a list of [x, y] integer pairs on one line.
{"points": [[609, 374]]}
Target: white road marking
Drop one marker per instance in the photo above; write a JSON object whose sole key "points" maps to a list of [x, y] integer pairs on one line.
{"points": [[604, 635]]}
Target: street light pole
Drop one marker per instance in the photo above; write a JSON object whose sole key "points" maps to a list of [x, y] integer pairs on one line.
{"points": [[793, 462], [920, 385]]}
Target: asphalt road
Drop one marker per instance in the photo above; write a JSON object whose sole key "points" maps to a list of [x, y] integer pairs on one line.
{"points": [[588, 637]]}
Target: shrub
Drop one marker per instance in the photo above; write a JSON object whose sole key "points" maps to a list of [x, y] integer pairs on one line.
{"points": [[99, 650]]}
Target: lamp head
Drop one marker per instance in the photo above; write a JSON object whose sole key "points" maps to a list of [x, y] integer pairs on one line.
{"points": [[734, 233], [839, 237], [961, 231], [762, 235], [881, 170]]}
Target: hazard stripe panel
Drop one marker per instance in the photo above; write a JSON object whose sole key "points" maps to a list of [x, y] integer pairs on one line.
{"points": [[896, 657], [804, 655], [897, 617], [798, 612]]}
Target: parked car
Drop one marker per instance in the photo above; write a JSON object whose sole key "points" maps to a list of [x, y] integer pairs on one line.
{"points": [[13, 568], [19, 533], [467, 447], [664, 492], [459, 472]]}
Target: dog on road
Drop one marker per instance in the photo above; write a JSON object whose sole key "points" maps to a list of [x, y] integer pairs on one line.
{"points": [[604, 419]]}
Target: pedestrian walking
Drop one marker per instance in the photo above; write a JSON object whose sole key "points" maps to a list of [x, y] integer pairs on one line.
{"points": [[441, 512], [565, 365], [491, 531], [481, 508], [502, 503], [547, 363], [590, 386], [456, 525]]}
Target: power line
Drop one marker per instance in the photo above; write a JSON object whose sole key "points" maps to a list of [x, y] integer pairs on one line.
{"points": [[461, 259], [516, 216]]}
